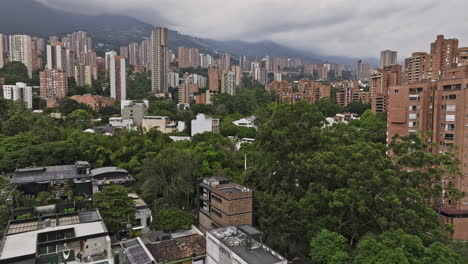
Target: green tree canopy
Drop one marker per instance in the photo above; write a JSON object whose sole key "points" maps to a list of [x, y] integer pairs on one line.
{"points": [[172, 219], [116, 208], [329, 248]]}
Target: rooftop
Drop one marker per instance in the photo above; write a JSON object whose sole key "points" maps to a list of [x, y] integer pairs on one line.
{"points": [[136, 252], [179, 248], [239, 240]]}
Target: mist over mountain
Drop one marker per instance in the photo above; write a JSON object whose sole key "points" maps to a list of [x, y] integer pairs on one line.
{"points": [[33, 18]]}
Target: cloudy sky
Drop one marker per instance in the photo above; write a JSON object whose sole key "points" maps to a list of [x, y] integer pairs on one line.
{"points": [[357, 28]]}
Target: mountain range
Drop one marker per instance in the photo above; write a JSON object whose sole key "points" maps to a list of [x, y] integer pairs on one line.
{"points": [[33, 18]]}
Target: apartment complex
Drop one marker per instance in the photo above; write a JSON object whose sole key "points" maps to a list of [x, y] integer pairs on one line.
{"points": [[228, 82], [53, 84], [380, 81], [387, 58], [20, 91], [352, 93], [188, 57], [213, 78], [241, 244], [160, 41], [221, 203], [118, 83], [96, 102], [363, 70], [308, 90]]}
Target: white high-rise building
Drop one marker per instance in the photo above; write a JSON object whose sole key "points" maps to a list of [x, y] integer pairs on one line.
{"points": [[228, 82], [20, 91], [159, 38], [21, 50], [174, 79], [118, 78], [60, 58]]}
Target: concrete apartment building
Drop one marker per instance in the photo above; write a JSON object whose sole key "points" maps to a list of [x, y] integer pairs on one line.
{"points": [[352, 94], [204, 98], [134, 111], [20, 91], [388, 58], [205, 123], [308, 90], [380, 81], [57, 238], [363, 70], [160, 41], [118, 81], [60, 58], [242, 244], [96, 102], [21, 49], [160, 123], [438, 107], [221, 203], [228, 82]]}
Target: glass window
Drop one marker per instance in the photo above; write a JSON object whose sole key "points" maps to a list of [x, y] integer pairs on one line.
{"points": [[450, 117], [412, 116], [451, 108]]}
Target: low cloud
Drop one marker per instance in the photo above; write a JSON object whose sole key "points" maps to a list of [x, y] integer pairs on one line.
{"points": [[357, 28]]}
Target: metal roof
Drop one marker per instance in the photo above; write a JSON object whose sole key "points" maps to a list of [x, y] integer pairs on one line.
{"points": [[103, 170]]}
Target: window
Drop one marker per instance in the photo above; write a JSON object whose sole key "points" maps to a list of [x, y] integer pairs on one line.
{"points": [[450, 127], [452, 97], [448, 137], [450, 118], [217, 199], [218, 214], [397, 91], [413, 116], [411, 124], [450, 108], [412, 108]]}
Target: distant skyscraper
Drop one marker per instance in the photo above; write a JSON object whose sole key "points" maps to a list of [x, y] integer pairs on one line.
{"points": [[20, 49], [363, 70], [124, 52], [225, 62], [145, 53], [213, 78], [134, 54], [159, 38], [3, 50], [387, 58], [228, 82], [60, 58], [118, 78]]}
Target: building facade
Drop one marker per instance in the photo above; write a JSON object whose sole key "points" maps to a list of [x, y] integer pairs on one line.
{"points": [[204, 123], [388, 58], [159, 38], [20, 91], [118, 75]]}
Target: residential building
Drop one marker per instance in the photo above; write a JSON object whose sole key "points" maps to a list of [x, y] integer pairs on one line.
{"points": [[416, 67], [221, 203], [173, 79], [203, 98], [119, 122], [163, 124], [3, 50], [443, 56], [246, 122], [228, 82], [242, 244], [363, 70], [213, 78], [205, 123], [352, 93], [83, 75], [436, 108], [20, 91], [159, 38], [388, 58], [381, 80], [135, 111], [279, 63], [181, 248], [463, 56], [308, 90], [96, 102], [188, 57], [198, 80], [53, 84], [134, 54], [20, 49], [124, 51], [143, 215], [107, 59], [224, 62], [206, 60], [118, 81], [56, 179], [58, 238]]}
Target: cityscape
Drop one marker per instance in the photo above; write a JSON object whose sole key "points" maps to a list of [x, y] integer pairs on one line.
{"points": [[142, 150]]}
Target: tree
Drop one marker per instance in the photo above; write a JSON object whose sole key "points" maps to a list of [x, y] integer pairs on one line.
{"points": [[172, 219], [116, 208], [328, 107], [374, 126], [7, 194], [329, 248], [358, 107], [14, 72], [398, 247]]}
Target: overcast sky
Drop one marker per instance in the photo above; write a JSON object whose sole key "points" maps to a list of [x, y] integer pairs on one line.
{"points": [[357, 28]]}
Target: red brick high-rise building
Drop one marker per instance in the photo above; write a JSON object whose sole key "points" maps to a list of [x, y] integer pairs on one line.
{"points": [[381, 80], [188, 57], [213, 78], [53, 84]]}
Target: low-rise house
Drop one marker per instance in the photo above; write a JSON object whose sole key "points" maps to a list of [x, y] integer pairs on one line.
{"points": [[246, 122], [143, 214], [242, 244], [60, 238], [204, 123], [58, 179], [161, 123], [120, 122], [96, 102]]}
